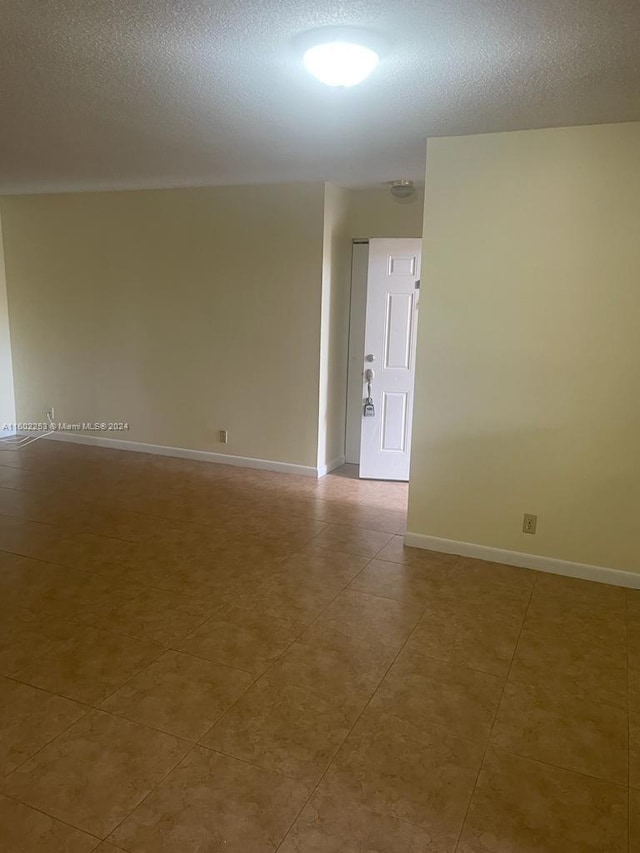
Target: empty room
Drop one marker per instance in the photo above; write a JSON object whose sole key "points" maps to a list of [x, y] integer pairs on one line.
{"points": [[319, 426]]}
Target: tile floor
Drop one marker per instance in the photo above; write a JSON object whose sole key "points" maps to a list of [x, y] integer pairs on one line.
{"points": [[196, 658]]}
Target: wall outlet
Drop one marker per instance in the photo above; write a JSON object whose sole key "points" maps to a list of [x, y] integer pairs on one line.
{"points": [[224, 436], [529, 523]]}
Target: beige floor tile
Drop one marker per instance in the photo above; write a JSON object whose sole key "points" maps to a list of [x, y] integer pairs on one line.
{"points": [[474, 596], [75, 592], [211, 802], [634, 748], [348, 675], [481, 640], [329, 825], [369, 618], [29, 719], [174, 538], [553, 727], [270, 525], [362, 515], [332, 567], [220, 562], [632, 604], [253, 552], [603, 620], [282, 503], [25, 637], [95, 773], [575, 589], [468, 569], [90, 666], [177, 568], [24, 581], [126, 525], [156, 615], [426, 691], [25, 830], [575, 664], [27, 506], [396, 551], [211, 585], [634, 820], [352, 540], [417, 583], [153, 560], [240, 639], [521, 806], [16, 478], [90, 552], [179, 694], [283, 727], [633, 644], [298, 600], [416, 773], [27, 538]]}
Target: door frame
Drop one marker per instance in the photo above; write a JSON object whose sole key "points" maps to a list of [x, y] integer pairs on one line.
{"points": [[356, 347], [357, 323]]}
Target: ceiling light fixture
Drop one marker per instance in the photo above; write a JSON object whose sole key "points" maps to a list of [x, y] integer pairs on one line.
{"points": [[340, 56], [402, 189]]}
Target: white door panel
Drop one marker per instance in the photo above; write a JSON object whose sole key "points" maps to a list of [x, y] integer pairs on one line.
{"points": [[389, 350]]}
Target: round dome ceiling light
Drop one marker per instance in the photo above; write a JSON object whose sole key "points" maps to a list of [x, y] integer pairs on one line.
{"points": [[340, 56], [402, 189]]}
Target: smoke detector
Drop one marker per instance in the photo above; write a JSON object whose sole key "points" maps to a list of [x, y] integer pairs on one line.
{"points": [[402, 189]]}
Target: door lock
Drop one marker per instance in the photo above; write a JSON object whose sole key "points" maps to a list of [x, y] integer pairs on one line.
{"points": [[369, 408]]}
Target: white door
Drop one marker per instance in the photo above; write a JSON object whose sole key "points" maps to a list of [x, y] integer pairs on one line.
{"points": [[390, 353]]}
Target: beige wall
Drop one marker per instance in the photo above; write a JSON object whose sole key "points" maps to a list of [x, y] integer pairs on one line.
{"points": [[529, 346], [7, 403], [179, 311], [334, 343], [376, 213]]}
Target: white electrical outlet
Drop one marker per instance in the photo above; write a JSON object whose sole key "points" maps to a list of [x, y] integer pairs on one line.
{"points": [[224, 436], [529, 523]]}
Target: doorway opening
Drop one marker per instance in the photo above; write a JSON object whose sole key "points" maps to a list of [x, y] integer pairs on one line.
{"points": [[385, 287]]}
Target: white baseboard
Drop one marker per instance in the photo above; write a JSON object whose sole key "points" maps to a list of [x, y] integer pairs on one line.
{"points": [[330, 466], [601, 574], [185, 453]]}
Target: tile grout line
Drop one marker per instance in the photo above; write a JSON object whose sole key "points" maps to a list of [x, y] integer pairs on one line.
{"points": [[282, 653], [89, 709], [270, 667], [52, 817], [607, 781], [199, 745], [144, 667], [80, 531], [182, 758], [349, 733], [13, 676], [163, 649], [497, 711]]}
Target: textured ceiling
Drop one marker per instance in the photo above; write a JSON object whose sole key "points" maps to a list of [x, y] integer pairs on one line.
{"points": [[135, 93]]}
